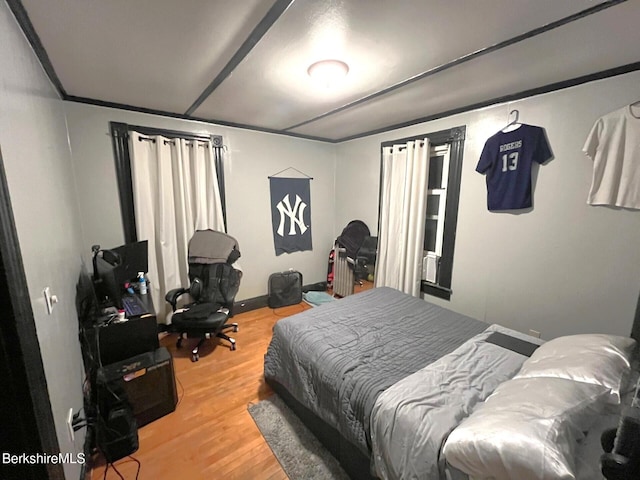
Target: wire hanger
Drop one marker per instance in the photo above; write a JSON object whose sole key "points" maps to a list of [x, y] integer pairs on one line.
{"points": [[512, 123], [290, 168]]}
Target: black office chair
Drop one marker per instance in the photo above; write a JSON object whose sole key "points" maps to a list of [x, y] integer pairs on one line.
{"points": [[214, 284], [365, 262]]}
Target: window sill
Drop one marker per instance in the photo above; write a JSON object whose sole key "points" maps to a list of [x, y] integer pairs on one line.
{"points": [[436, 290]]}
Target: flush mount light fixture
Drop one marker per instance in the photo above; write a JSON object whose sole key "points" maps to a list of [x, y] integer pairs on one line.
{"points": [[328, 72]]}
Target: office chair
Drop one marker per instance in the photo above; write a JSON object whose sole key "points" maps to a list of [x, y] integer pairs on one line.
{"points": [[214, 284], [346, 270], [365, 261]]}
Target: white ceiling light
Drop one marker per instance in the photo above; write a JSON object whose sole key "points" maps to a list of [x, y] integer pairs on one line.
{"points": [[328, 72]]}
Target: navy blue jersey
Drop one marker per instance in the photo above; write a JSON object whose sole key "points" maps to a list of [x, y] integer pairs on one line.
{"points": [[506, 159]]}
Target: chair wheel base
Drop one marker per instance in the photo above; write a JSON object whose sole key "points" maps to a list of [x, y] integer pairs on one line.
{"points": [[195, 354]]}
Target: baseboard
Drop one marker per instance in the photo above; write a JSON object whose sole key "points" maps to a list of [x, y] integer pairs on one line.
{"points": [[250, 304], [317, 287]]}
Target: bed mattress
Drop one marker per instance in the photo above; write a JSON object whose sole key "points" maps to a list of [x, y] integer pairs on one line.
{"points": [[338, 358]]}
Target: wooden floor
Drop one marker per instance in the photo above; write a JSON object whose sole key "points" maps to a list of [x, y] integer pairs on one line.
{"points": [[211, 435]]}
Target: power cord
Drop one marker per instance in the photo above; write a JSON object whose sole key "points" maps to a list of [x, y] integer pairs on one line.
{"points": [[181, 387], [77, 422], [113, 465]]}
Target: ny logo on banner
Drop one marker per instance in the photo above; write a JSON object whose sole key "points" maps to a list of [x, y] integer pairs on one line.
{"points": [[290, 214], [295, 215]]}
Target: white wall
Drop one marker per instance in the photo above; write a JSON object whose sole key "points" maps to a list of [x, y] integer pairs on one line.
{"points": [[251, 157], [33, 139], [564, 267]]}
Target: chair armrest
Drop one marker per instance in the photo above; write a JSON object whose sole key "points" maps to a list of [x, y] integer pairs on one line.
{"points": [[172, 296]]}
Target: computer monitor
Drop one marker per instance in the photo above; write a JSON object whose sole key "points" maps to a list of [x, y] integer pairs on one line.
{"points": [[133, 259], [117, 266]]}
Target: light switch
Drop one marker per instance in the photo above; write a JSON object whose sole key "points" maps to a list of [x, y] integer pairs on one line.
{"points": [[49, 299]]}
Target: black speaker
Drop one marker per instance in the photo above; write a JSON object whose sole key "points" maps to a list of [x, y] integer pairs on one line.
{"points": [[148, 382]]}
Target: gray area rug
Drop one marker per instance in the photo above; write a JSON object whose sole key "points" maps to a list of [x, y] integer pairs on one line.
{"points": [[299, 452]]}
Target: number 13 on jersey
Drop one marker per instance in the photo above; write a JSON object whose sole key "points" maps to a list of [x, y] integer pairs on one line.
{"points": [[509, 161]]}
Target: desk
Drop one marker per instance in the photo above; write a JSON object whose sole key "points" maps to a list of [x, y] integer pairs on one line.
{"points": [[151, 392], [106, 346], [117, 341]]}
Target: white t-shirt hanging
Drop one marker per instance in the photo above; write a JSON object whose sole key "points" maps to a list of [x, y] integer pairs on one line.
{"points": [[614, 146]]}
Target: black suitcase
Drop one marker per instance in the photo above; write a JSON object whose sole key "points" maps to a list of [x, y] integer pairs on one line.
{"points": [[285, 288]]}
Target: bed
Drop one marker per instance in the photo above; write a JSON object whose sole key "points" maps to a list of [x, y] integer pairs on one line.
{"points": [[383, 379]]}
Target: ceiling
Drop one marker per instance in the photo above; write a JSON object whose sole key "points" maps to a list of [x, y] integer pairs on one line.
{"points": [[244, 62]]}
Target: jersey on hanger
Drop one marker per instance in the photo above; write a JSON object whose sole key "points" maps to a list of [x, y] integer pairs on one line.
{"points": [[614, 146], [506, 159]]}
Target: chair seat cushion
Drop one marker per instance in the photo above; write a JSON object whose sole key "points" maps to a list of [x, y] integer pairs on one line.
{"points": [[201, 317]]}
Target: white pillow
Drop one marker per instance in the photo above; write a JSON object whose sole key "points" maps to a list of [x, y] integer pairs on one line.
{"points": [[526, 430], [591, 358]]}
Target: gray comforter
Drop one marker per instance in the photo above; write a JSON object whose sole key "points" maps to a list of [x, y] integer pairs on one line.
{"points": [[336, 359], [411, 420]]}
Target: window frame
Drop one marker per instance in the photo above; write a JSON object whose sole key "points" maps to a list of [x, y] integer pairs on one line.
{"points": [[441, 193], [454, 137], [120, 133]]}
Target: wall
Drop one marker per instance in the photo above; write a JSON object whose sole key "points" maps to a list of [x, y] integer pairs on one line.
{"points": [[564, 267], [33, 139], [250, 158]]}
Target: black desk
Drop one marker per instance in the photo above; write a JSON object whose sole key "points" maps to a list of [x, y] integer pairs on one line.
{"points": [[109, 348], [117, 341], [132, 362]]}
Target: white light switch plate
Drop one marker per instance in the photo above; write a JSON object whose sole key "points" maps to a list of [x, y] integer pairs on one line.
{"points": [[70, 424], [49, 299]]}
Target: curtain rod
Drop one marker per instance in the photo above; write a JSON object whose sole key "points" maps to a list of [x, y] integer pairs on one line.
{"points": [[201, 143], [404, 146]]}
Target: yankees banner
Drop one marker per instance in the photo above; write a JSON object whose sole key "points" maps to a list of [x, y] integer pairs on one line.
{"points": [[291, 214]]}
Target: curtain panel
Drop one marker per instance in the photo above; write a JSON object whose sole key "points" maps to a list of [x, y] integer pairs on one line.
{"points": [[175, 193], [405, 170]]}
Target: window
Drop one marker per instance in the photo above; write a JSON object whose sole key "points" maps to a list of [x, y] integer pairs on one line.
{"points": [[443, 191], [436, 199], [120, 138]]}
